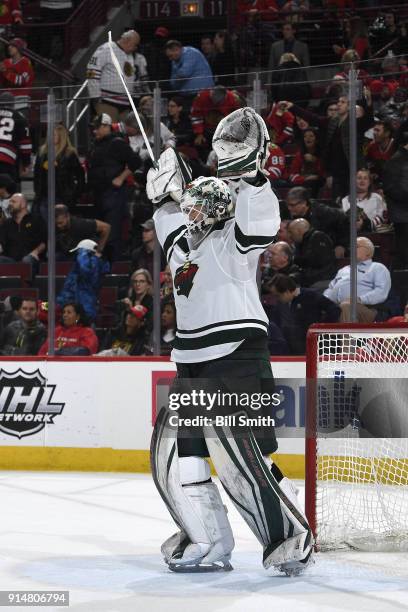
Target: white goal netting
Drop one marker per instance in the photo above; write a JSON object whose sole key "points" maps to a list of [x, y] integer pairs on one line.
{"points": [[360, 493]]}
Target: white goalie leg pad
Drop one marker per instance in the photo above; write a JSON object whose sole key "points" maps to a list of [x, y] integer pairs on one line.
{"points": [[205, 522], [193, 500]]}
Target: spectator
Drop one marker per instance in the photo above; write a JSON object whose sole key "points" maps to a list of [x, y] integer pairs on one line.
{"points": [[207, 110], [25, 335], [307, 165], [190, 71], [11, 13], [166, 283], [178, 121], [159, 66], [332, 221], [356, 38], [111, 161], [337, 147], [17, 74], [283, 234], [381, 149], [168, 325], [130, 131], [288, 44], [140, 292], [142, 257], [223, 62], [373, 285], [56, 13], [371, 208], [395, 185], [207, 49], [7, 188], [275, 164], [400, 319], [298, 308], [391, 35], [71, 230], [351, 59], [15, 141], [314, 254], [73, 337], [69, 174], [104, 85], [290, 82], [23, 237], [281, 121], [279, 257], [130, 337], [84, 281]]}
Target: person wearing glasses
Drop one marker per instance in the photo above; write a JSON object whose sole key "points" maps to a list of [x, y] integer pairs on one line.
{"points": [[140, 293]]}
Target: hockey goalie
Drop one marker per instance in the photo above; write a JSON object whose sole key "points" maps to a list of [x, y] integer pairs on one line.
{"points": [[212, 233]]}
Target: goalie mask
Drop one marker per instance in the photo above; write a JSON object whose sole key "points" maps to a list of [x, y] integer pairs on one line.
{"points": [[205, 201]]}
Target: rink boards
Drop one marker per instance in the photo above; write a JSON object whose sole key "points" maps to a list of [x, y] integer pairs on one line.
{"points": [[96, 414]]}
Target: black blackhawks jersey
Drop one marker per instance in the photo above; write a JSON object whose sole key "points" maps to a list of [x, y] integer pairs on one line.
{"points": [[15, 141], [215, 288]]}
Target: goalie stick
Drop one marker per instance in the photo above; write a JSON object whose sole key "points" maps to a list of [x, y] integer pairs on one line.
{"points": [[115, 62]]}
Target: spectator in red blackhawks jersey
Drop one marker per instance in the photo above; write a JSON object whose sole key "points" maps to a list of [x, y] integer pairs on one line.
{"points": [[207, 110], [23, 237], [275, 164], [307, 166], [17, 74], [282, 121], [381, 149], [15, 141], [74, 336], [10, 12]]}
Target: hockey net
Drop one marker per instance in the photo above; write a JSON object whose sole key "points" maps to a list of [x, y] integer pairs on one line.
{"points": [[357, 437]]}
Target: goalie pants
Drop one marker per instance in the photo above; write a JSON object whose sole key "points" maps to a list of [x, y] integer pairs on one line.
{"points": [[246, 372]]}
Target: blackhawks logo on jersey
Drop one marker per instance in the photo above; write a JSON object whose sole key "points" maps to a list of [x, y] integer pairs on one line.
{"points": [[183, 280]]}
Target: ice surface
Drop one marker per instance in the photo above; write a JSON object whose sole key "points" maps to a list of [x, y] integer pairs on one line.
{"points": [[99, 535]]}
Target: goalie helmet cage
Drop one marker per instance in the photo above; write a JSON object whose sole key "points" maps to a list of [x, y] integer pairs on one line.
{"points": [[357, 482]]}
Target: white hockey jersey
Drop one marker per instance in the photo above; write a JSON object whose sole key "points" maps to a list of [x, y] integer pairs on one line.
{"points": [[215, 288], [104, 81]]}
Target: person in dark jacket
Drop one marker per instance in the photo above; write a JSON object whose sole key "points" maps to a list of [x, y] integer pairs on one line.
{"points": [[69, 174], [111, 162], [178, 121], [336, 152], [131, 335], [25, 335], [332, 221], [223, 62], [298, 308], [23, 237], [290, 82], [279, 258], [395, 185], [314, 254]]}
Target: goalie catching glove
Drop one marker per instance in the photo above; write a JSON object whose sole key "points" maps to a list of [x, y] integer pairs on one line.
{"points": [[169, 178], [240, 142]]}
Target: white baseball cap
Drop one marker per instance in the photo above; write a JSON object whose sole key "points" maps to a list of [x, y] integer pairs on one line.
{"points": [[89, 245]]}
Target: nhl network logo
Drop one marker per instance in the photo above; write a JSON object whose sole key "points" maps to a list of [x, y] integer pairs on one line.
{"points": [[25, 403]]}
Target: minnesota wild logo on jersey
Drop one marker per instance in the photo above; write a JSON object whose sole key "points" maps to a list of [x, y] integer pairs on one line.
{"points": [[184, 277]]}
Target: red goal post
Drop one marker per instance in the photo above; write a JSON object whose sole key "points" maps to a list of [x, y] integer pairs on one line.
{"points": [[356, 483]]}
